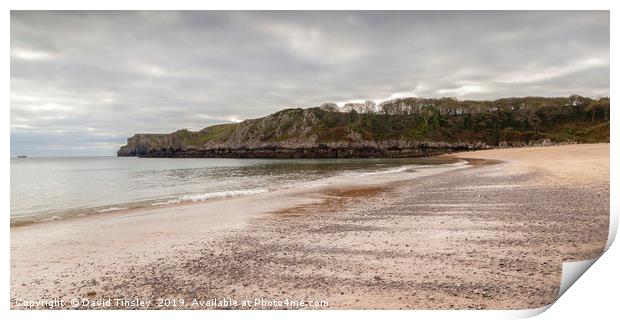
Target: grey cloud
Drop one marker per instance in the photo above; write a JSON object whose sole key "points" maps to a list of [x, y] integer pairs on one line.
{"points": [[82, 82]]}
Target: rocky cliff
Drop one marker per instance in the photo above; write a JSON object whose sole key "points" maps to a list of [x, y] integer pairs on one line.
{"points": [[399, 128]]}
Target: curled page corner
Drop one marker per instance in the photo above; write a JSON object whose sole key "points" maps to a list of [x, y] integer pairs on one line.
{"points": [[613, 229], [571, 271], [528, 313]]}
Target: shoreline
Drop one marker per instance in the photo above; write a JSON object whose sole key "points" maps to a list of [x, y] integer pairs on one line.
{"points": [[171, 202], [329, 243], [30, 219]]}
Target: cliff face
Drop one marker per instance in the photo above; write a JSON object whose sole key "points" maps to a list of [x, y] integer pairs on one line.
{"points": [[429, 129], [292, 133]]}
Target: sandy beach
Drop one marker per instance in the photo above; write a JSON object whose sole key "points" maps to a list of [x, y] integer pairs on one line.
{"points": [[491, 234]]}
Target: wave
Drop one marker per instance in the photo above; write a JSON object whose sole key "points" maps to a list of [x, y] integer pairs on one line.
{"points": [[412, 168], [167, 202], [348, 176], [210, 195], [388, 171], [111, 209]]}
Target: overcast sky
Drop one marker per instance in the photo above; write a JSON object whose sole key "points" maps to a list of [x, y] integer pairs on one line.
{"points": [[82, 82]]}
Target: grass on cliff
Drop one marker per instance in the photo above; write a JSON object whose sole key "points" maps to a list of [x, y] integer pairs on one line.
{"points": [[526, 119], [220, 132]]}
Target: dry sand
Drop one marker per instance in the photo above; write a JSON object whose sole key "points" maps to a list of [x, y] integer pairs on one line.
{"points": [[570, 165], [489, 235]]}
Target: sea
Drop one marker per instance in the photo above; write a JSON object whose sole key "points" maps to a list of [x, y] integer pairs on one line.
{"points": [[50, 188]]}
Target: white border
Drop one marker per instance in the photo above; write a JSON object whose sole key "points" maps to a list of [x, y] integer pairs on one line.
{"points": [[591, 295]]}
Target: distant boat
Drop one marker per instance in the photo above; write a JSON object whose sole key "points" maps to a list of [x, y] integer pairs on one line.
{"points": [[22, 157]]}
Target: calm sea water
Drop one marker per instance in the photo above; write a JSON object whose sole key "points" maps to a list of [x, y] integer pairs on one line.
{"points": [[47, 188]]}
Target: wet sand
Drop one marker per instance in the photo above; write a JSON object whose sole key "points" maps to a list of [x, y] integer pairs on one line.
{"points": [[491, 235]]}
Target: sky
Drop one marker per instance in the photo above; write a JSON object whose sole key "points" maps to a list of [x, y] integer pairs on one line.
{"points": [[83, 82]]}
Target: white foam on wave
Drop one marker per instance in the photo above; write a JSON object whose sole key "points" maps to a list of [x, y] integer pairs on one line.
{"points": [[210, 195], [111, 209], [389, 171], [167, 202], [221, 194], [411, 168]]}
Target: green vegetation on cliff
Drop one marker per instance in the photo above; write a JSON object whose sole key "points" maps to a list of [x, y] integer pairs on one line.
{"points": [[574, 118], [509, 121]]}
